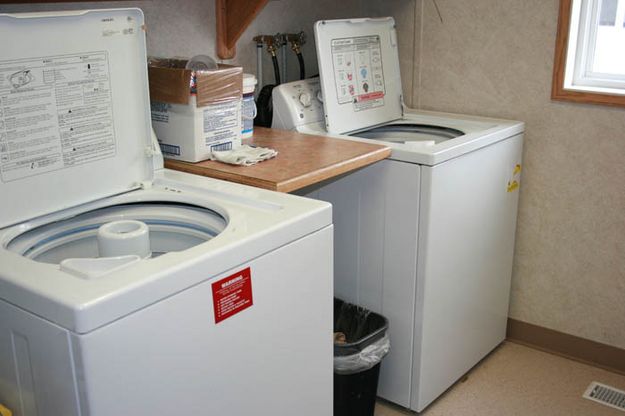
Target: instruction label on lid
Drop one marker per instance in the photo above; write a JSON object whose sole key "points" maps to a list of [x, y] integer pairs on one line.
{"points": [[358, 72], [55, 112]]}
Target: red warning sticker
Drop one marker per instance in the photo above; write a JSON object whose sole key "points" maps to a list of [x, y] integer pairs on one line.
{"points": [[232, 294], [376, 95]]}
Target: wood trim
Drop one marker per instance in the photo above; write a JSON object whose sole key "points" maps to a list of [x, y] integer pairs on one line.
{"points": [[233, 17], [569, 346], [558, 92], [223, 51]]}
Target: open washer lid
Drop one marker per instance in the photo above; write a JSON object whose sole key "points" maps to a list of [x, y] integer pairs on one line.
{"points": [[359, 70], [74, 121]]}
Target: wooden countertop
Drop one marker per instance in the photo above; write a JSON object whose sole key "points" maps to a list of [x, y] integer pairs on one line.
{"points": [[302, 160]]}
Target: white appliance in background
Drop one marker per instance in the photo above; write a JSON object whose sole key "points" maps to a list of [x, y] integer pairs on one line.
{"points": [[425, 237], [129, 289]]}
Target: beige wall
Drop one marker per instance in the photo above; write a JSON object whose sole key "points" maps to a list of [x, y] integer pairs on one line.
{"points": [[494, 58], [187, 27]]}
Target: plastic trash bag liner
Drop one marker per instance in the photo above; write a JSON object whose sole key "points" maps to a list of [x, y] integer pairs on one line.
{"points": [[360, 338]]}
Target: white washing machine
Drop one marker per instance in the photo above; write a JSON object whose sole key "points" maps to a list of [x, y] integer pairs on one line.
{"points": [[129, 289], [425, 237]]}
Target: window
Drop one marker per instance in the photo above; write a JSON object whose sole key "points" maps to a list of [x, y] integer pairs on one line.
{"points": [[590, 52], [607, 12]]}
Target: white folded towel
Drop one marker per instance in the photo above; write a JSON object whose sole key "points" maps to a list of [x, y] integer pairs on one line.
{"points": [[244, 155]]}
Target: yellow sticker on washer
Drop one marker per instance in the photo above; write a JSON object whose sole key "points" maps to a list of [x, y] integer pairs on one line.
{"points": [[513, 186], [4, 411]]}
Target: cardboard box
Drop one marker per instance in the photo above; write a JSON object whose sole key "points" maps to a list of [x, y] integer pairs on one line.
{"points": [[194, 113]]}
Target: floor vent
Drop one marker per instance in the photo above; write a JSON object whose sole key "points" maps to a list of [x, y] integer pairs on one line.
{"points": [[606, 395]]}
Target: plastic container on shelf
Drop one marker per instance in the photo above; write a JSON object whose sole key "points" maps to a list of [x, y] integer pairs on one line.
{"points": [[248, 110], [359, 346], [201, 63]]}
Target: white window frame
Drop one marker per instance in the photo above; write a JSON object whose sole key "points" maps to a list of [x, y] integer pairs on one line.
{"points": [[582, 37]]}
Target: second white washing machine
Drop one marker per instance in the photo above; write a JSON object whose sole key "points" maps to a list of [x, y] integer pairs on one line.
{"points": [[426, 237]]}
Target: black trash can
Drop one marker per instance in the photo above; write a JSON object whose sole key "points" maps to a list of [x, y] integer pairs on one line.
{"points": [[357, 358]]}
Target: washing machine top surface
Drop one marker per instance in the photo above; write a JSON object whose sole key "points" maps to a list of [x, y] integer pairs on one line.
{"points": [[362, 98], [359, 71], [91, 227], [75, 116], [428, 137], [198, 228]]}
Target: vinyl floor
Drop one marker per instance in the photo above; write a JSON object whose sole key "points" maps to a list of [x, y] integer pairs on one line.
{"points": [[517, 380]]}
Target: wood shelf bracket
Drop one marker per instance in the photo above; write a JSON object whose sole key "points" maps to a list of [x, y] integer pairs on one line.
{"points": [[233, 17]]}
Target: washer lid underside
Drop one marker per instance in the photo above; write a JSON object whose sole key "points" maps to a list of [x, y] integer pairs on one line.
{"points": [[76, 110]]}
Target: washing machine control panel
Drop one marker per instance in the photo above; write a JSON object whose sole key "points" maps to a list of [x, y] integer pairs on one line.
{"points": [[296, 104]]}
